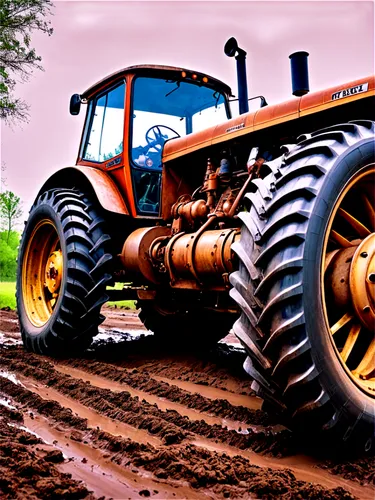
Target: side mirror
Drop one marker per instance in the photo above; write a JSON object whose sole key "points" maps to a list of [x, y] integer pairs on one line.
{"points": [[75, 104]]}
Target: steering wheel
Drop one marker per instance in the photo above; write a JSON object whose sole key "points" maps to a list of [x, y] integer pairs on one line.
{"points": [[159, 140]]}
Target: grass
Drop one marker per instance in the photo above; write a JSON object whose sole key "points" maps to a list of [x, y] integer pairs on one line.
{"points": [[125, 304], [8, 299], [7, 294]]}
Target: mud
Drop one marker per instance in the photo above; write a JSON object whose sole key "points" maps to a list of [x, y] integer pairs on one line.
{"points": [[27, 471], [141, 380], [361, 470], [134, 419]]}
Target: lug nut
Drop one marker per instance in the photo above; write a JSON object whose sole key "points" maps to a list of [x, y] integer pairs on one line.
{"points": [[371, 277], [366, 309], [364, 254]]}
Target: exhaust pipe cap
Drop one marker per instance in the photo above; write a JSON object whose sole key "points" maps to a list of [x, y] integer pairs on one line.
{"points": [[300, 73]]}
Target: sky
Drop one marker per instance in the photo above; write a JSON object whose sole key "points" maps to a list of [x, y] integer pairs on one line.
{"points": [[92, 39]]}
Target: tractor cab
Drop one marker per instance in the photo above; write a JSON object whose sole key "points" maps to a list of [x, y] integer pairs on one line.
{"points": [[133, 113]]}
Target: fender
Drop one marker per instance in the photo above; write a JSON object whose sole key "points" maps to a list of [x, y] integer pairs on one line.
{"points": [[100, 182]]}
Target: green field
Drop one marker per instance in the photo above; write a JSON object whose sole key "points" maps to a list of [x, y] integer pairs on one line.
{"points": [[126, 304], [7, 294], [8, 299]]}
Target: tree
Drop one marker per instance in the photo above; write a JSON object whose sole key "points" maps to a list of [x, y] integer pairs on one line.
{"points": [[8, 255], [18, 19], [10, 210]]}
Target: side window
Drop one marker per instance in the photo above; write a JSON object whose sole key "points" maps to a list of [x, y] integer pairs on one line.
{"points": [[105, 136]]}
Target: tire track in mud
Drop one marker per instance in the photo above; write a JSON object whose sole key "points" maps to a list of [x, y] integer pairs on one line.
{"points": [[93, 417], [220, 369], [163, 389], [89, 441], [236, 399], [224, 475], [170, 426], [365, 472], [116, 406], [162, 404], [134, 462], [72, 387]]}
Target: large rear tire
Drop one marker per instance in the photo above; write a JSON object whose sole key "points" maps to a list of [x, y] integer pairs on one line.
{"points": [[311, 351], [63, 270]]}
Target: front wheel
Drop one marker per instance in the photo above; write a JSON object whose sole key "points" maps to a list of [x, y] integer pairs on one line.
{"points": [[62, 273], [306, 284]]}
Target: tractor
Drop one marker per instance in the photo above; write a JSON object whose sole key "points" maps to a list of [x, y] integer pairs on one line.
{"points": [[263, 224]]}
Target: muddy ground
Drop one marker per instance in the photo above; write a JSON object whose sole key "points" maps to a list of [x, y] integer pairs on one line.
{"points": [[133, 419]]}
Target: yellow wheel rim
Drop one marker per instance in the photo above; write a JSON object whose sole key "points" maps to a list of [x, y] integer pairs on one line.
{"points": [[348, 278], [42, 271]]}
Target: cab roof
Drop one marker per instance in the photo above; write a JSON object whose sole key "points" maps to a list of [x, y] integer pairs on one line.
{"points": [[171, 72]]}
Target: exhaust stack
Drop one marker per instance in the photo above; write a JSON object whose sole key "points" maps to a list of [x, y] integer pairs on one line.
{"points": [[231, 48], [300, 73]]}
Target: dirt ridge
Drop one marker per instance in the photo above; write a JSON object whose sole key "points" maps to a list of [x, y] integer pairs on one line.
{"points": [[169, 425], [157, 422], [227, 476], [143, 381], [26, 471]]}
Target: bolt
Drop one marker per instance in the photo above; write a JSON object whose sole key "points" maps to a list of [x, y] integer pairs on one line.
{"points": [[364, 254], [53, 273], [366, 309], [371, 277]]}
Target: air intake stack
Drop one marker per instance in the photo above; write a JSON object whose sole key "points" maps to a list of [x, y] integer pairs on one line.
{"points": [[300, 73]]}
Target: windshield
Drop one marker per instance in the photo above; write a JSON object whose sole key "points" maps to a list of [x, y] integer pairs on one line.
{"points": [[164, 109]]}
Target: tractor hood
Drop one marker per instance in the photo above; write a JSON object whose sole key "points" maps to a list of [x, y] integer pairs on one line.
{"points": [[269, 116]]}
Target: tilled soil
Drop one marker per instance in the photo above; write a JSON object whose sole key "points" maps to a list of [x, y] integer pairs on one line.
{"points": [[133, 418], [28, 468]]}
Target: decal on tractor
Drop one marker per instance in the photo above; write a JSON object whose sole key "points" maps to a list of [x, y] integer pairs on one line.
{"points": [[114, 162], [357, 89], [235, 127]]}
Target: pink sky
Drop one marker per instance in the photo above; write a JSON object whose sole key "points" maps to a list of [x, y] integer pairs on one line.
{"points": [[95, 38]]}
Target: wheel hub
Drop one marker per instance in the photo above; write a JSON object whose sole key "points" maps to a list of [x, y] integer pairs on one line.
{"points": [[339, 276], [42, 272], [362, 281], [348, 271], [54, 271]]}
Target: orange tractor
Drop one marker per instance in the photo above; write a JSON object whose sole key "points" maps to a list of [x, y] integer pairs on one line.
{"points": [[264, 223]]}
